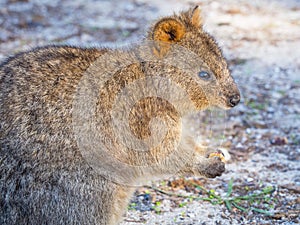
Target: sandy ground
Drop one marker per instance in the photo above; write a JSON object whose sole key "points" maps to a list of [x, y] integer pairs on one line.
{"points": [[261, 40]]}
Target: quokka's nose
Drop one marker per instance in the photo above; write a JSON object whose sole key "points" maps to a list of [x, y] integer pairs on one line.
{"points": [[234, 100]]}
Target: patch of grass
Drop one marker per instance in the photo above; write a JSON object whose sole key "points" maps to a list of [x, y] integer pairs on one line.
{"points": [[182, 204], [294, 139], [259, 201], [132, 206], [245, 203], [256, 105], [281, 92], [156, 207]]}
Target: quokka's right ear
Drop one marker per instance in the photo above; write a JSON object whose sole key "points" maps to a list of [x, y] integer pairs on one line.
{"points": [[166, 32], [196, 17]]}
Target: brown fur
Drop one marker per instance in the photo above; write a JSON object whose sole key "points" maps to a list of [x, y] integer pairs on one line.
{"points": [[44, 177]]}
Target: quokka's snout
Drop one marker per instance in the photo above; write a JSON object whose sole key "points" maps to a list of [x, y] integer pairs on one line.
{"points": [[229, 93], [233, 100], [233, 96]]}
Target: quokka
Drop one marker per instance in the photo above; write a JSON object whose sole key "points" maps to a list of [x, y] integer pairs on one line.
{"points": [[47, 175]]}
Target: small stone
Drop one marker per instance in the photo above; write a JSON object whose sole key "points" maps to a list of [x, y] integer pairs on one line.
{"points": [[270, 110], [210, 216], [248, 131], [279, 141], [250, 179], [143, 202], [239, 145], [191, 215], [267, 86]]}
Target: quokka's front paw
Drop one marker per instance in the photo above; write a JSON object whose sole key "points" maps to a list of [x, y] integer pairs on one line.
{"points": [[215, 167], [209, 162]]}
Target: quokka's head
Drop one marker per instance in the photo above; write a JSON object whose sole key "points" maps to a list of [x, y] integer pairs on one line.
{"points": [[212, 83]]}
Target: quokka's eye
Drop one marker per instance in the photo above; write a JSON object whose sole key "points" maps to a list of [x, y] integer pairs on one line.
{"points": [[204, 75]]}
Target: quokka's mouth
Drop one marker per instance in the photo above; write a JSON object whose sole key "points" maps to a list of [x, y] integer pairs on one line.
{"points": [[223, 104], [234, 100], [229, 102]]}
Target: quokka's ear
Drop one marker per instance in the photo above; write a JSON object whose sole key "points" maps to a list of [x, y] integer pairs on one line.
{"points": [[167, 31], [196, 17]]}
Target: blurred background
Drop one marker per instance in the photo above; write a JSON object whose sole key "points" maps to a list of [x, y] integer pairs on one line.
{"points": [[260, 39]]}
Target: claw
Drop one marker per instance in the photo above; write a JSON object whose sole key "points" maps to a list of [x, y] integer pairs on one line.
{"points": [[219, 155]]}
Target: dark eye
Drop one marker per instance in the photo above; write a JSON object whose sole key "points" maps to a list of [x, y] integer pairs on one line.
{"points": [[204, 75]]}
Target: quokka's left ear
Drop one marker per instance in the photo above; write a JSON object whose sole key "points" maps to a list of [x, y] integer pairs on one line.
{"points": [[196, 17], [167, 31]]}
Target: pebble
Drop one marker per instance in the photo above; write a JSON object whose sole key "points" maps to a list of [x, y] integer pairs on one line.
{"points": [[279, 141], [270, 110], [249, 179], [143, 202], [239, 145]]}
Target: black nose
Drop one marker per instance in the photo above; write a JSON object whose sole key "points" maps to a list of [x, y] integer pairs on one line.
{"points": [[234, 100]]}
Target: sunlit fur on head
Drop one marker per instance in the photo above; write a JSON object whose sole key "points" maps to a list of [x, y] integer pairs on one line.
{"points": [[186, 29]]}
